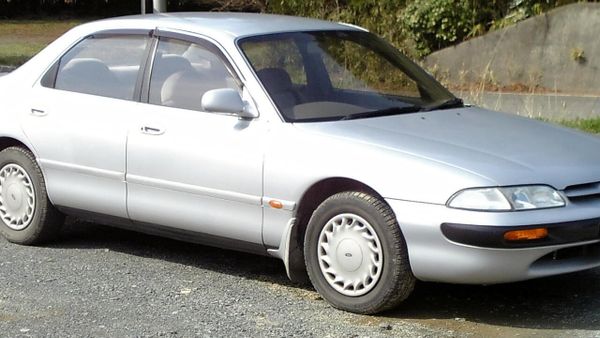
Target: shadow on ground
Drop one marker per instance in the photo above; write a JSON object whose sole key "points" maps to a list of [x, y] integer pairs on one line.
{"points": [[567, 302], [564, 302], [85, 235]]}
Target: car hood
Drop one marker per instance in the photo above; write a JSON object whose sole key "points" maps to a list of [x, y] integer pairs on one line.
{"points": [[503, 148]]}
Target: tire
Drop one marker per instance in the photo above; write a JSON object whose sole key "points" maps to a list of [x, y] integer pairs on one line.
{"points": [[340, 231], [26, 215]]}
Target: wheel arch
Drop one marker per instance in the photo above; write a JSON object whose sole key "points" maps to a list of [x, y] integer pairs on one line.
{"points": [[6, 141], [9, 141], [310, 200]]}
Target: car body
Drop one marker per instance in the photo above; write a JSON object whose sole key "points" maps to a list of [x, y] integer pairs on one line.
{"points": [[248, 170]]}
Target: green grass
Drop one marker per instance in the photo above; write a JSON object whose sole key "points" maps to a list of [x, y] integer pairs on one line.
{"points": [[22, 39], [589, 125], [15, 53]]}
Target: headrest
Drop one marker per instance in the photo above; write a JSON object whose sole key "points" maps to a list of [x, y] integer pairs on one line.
{"points": [[87, 67], [87, 75], [275, 79], [182, 90], [170, 64]]}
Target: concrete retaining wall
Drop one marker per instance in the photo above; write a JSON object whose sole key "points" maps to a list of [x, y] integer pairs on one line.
{"points": [[557, 52]]}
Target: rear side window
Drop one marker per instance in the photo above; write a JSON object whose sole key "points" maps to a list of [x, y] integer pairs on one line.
{"points": [[103, 66]]}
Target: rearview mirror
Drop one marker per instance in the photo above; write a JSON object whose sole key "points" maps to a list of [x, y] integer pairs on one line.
{"points": [[225, 100]]}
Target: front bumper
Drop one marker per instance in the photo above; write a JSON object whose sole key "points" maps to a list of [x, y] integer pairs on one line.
{"points": [[453, 259]]}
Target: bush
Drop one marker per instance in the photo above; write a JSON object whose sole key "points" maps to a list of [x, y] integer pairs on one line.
{"points": [[436, 24], [383, 17], [417, 27]]}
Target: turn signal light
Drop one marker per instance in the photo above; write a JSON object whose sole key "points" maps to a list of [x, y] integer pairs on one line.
{"points": [[275, 204], [526, 235]]}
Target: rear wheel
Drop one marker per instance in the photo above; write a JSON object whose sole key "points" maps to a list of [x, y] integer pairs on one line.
{"points": [[355, 254], [26, 214]]}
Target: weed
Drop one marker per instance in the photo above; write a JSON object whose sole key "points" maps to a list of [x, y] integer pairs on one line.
{"points": [[578, 55]]}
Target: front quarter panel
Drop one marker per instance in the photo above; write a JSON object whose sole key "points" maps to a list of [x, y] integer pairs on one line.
{"points": [[296, 159]]}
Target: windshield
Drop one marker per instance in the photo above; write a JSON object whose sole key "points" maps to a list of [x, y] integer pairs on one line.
{"points": [[335, 75]]}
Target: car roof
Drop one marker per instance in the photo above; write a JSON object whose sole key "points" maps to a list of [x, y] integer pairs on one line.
{"points": [[233, 25]]}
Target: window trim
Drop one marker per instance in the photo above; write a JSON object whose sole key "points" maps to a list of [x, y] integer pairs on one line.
{"points": [[205, 42]]}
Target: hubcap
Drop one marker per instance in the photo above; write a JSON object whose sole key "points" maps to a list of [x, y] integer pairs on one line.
{"points": [[350, 255], [17, 197]]}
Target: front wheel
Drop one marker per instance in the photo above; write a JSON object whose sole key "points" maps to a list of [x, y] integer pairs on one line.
{"points": [[355, 254], [26, 214]]}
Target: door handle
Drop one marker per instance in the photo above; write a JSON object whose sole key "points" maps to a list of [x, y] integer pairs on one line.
{"points": [[38, 112], [152, 130]]}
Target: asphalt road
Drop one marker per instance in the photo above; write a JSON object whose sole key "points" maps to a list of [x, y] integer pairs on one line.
{"points": [[104, 282]]}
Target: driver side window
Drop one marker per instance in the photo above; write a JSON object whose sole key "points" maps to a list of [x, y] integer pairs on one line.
{"points": [[183, 71]]}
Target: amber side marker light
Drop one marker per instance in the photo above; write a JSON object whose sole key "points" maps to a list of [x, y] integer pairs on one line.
{"points": [[275, 204], [526, 235]]}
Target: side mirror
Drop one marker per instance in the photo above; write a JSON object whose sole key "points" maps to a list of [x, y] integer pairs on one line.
{"points": [[225, 100]]}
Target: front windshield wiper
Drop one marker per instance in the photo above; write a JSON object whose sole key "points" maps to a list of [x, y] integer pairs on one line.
{"points": [[451, 103], [383, 112]]}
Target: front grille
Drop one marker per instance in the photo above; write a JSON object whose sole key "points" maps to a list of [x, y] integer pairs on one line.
{"points": [[583, 192]]}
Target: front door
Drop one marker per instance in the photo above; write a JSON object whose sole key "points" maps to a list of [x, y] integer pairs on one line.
{"points": [[188, 169]]}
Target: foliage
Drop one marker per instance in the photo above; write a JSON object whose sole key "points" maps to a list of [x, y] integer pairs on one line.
{"points": [[518, 10], [436, 24], [382, 17], [417, 27], [591, 125]]}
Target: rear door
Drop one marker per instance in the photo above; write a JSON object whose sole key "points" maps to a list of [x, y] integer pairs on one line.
{"points": [[77, 121]]}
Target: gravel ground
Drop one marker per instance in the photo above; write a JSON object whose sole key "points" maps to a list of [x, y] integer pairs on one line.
{"points": [[104, 282]]}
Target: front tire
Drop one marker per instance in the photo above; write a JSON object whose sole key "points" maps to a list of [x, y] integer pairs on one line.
{"points": [[26, 215], [355, 254]]}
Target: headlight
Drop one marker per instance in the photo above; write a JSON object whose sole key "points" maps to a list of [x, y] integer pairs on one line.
{"points": [[508, 198]]}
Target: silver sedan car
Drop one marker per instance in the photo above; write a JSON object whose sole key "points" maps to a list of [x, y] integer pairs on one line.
{"points": [[314, 142]]}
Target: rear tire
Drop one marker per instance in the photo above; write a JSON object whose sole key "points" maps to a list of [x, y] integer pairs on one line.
{"points": [[355, 254], [26, 214]]}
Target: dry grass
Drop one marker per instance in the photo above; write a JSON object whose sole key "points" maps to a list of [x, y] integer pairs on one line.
{"points": [[20, 40]]}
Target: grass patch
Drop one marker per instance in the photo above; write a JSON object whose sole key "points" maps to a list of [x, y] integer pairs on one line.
{"points": [[22, 39], [589, 125]]}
